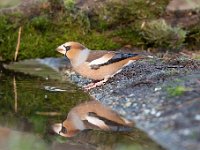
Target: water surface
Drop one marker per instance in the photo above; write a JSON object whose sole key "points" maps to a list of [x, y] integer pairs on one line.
{"points": [[31, 105]]}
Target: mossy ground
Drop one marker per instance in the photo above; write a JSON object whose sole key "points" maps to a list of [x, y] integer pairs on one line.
{"points": [[193, 38], [111, 26], [177, 91], [40, 36]]}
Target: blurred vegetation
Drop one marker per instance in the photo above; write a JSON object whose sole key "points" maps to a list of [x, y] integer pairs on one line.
{"points": [[8, 3], [109, 25], [159, 33], [177, 90], [193, 37]]}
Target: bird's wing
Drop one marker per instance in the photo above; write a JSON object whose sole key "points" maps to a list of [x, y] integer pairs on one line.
{"points": [[97, 122], [104, 123], [110, 58], [95, 54]]}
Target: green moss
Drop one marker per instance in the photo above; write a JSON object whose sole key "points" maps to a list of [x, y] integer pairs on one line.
{"points": [[41, 24], [115, 13], [193, 38], [177, 90], [69, 4], [7, 37], [127, 35], [160, 34], [116, 24], [124, 19], [197, 57], [40, 37]]}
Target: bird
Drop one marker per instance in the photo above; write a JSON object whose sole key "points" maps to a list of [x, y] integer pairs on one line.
{"points": [[91, 115], [96, 65]]}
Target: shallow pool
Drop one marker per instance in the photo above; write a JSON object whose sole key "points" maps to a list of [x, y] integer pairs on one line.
{"points": [[30, 105]]}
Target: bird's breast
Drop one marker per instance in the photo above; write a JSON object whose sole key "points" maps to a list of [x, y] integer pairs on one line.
{"points": [[95, 74]]}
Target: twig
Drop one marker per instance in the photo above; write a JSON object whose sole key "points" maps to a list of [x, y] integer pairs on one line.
{"points": [[162, 67], [18, 43], [143, 82], [15, 93], [49, 113]]}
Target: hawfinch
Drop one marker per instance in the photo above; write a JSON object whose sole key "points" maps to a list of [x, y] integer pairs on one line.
{"points": [[96, 65], [91, 115]]}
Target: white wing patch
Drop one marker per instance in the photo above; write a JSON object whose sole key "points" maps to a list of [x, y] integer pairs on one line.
{"points": [[129, 62], [101, 60], [95, 121]]}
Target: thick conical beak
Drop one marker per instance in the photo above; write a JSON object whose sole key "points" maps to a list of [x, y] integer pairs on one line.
{"points": [[57, 129], [61, 50]]}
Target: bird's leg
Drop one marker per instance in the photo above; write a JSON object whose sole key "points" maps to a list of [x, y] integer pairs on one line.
{"points": [[90, 84], [99, 83]]}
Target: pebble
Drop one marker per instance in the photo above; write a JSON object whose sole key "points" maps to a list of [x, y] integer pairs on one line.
{"points": [[185, 132], [157, 89], [146, 111], [131, 95], [135, 104], [158, 114], [122, 112], [128, 104], [153, 111], [143, 105], [197, 117]]}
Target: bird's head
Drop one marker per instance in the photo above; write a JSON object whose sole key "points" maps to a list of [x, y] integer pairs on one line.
{"points": [[65, 129], [76, 52]]}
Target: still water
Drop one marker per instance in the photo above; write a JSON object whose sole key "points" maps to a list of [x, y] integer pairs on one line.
{"points": [[30, 105]]}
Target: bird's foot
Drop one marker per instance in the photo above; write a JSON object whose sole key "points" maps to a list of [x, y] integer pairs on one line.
{"points": [[93, 85], [89, 86]]}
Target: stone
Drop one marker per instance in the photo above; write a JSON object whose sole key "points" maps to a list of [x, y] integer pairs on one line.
{"points": [[183, 5]]}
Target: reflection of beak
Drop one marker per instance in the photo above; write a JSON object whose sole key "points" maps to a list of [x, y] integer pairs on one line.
{"points": [[61, 50], [57, 127]]}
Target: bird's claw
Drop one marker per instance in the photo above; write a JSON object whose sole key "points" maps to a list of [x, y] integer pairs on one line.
{"points": [[93, 85]]}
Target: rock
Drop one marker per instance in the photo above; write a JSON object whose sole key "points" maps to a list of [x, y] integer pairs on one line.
{"points": [[140, 93], [183, 5], [183, 13]]}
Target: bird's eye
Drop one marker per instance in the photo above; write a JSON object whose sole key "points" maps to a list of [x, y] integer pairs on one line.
{"points": [[67, 47], [63, 130]]}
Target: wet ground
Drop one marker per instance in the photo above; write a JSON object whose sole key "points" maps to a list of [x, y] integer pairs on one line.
{"points": [[31, 104], [161, 96]]}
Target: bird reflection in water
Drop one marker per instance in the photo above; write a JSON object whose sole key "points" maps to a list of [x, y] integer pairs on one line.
{"points": [[91, 115]]}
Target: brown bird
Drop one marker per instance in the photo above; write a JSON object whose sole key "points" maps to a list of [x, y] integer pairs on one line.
{"points": [[91, 115], [96, 65]]}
